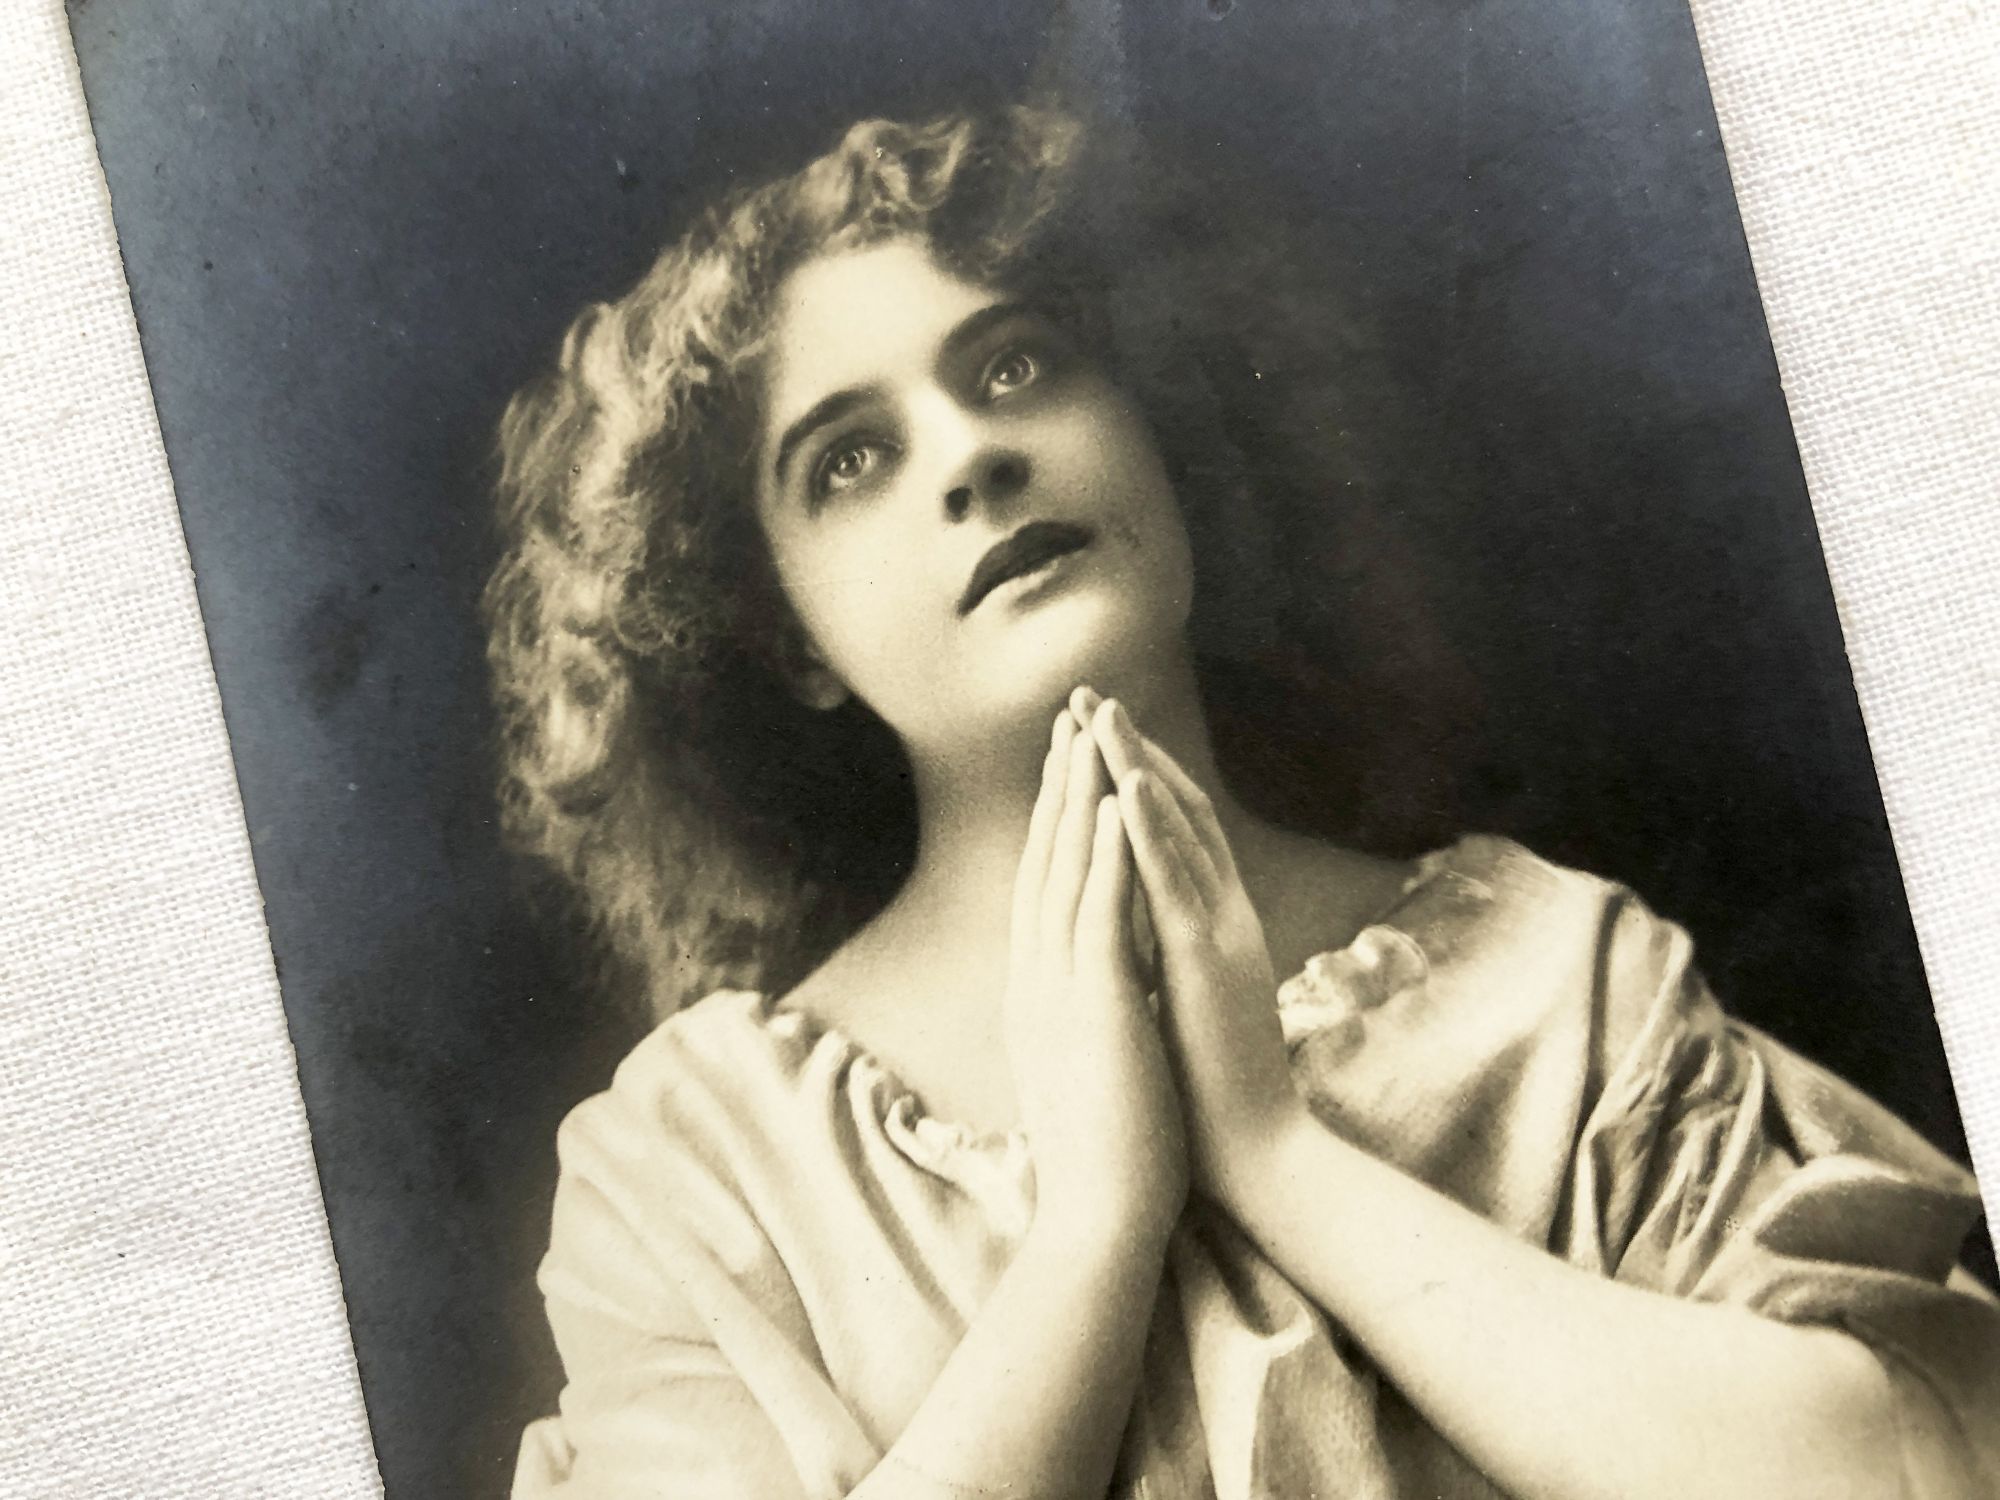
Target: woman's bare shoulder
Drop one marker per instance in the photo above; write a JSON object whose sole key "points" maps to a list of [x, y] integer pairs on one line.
{"points": [[922, 1010], [848, 984], [1317, 894]]}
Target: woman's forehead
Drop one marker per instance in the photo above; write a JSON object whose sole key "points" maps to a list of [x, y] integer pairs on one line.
{"points": [[861, 317]]}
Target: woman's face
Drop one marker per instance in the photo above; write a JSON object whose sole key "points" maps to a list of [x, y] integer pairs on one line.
{"points": [[967, 516]]}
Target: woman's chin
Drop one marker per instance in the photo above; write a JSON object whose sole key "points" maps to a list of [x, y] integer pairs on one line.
{"points": [[1086, 638]]}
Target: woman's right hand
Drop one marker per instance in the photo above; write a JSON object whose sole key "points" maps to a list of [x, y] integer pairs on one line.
{"points": [[1097, 1096]]}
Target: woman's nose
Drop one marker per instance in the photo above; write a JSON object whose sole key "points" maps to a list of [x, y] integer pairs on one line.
{"points": [[991, 476]]}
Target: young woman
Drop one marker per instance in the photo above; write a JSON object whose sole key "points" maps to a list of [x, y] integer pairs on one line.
{"points": [[1068, 1126]]}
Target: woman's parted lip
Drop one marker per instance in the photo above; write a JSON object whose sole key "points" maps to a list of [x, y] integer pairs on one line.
{"points": [[1022, 551]]}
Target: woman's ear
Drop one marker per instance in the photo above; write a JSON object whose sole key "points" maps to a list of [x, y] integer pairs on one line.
{"points": [[806, 672], [819, 688]]}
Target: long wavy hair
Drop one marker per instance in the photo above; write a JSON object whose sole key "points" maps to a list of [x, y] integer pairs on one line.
{"points": [[713, 830]]}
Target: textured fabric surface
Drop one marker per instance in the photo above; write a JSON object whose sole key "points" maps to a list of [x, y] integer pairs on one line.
{"points": [[765, 1247], [170, 1320]]}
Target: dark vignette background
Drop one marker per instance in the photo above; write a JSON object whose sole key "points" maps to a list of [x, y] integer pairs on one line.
{"points": [[352, 228]]}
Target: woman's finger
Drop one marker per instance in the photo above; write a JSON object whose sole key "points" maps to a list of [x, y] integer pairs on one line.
{"points": [[1195, 803], [1069, 860], [1179, 829], [1173, 895], [1104, 913], [1145, 947], [1033, 873], [1124, 748], [1086, 703], [1167, 818], [1040, 841], [1117, 749]]}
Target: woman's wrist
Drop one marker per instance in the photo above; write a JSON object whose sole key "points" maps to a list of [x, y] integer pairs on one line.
{"points": [[1250, 1171]]}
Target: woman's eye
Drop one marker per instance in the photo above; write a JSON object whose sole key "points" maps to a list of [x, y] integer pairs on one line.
{"points": [[1011, 371], [846, 465]]}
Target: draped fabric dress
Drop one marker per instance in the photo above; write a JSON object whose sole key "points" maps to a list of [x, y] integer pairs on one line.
{"points": [[763, 1249]]}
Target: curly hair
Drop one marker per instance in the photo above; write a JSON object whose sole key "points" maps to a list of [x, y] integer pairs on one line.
{"points": [[714, 830]]}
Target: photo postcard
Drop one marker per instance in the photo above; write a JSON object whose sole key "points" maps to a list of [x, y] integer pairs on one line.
{"points": [[1054, 749]]}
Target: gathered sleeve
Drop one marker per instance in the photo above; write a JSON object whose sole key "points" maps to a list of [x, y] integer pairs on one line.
{"points": [[689, 1367], [1717, 1164], [1537, 1044]]}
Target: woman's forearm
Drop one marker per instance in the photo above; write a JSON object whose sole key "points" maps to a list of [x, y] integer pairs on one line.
{"points": [[1035, 1398], [1563, 1385]]}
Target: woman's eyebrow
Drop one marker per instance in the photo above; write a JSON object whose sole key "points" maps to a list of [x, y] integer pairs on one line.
{"points": [[977, 322], [827, 409]]}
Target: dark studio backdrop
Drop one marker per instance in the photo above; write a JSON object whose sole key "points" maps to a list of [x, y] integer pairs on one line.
{"points": [[352, 229]]}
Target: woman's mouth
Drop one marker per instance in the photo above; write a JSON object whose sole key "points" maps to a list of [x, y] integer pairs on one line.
{"points": [[1026, 550]]}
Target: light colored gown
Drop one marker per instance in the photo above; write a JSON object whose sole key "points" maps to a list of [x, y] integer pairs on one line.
{"points": [[763, 1249]]}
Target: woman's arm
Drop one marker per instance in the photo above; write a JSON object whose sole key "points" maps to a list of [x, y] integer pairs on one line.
{"points": [[1559, 1384], [1034, 1400]]}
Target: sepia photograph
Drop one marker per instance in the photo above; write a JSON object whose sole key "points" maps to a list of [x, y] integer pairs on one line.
{"points": [[1063, 749]]}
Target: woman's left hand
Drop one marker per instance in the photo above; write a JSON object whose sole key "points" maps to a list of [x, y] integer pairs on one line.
{"points": [[1218, 991]]}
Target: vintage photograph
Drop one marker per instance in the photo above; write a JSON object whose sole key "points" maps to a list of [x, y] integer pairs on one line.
{"points": [[1060, 749]]}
